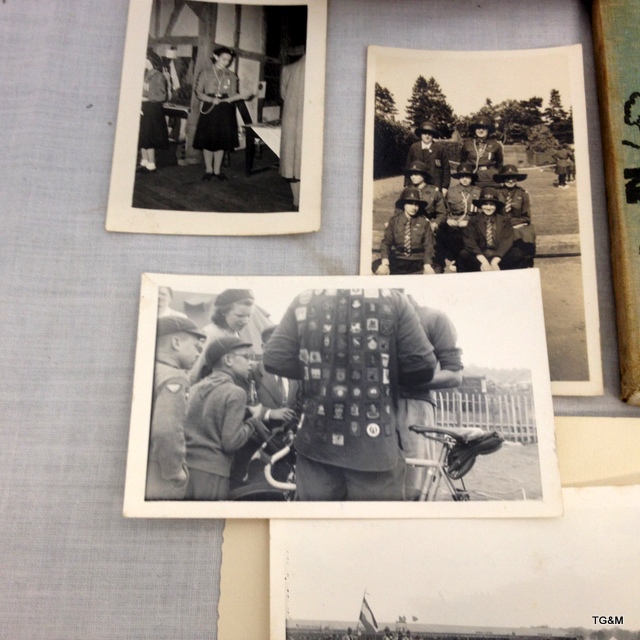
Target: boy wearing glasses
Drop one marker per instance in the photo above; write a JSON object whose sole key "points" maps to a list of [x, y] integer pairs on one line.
{"points": [[216, 425]]}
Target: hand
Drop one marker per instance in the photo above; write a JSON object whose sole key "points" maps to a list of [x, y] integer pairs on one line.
{"points": [[255, 411], [450, 266], [428, 270], [485, 266], [383, 270], [495, 264], [452, 222], [282, 415], [434, 225], [444, 192], [463, 223], [181, 478]]}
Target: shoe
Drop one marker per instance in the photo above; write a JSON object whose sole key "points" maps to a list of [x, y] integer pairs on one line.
{"points": [[221, 177], [207, 176]]}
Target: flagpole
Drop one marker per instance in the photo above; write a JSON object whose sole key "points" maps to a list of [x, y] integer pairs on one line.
{"points": [[364, 595]]}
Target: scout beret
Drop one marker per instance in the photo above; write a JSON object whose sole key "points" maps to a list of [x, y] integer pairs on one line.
{"points": [[509, 172], [489, 196], [176, 324], [221, 346], [229, 296]]}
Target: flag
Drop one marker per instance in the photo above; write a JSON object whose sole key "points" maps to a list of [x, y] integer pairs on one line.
{"points": [[367, 618], [414, 618]]}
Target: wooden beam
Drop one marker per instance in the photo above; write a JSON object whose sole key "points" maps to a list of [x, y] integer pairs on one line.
{"points": [[175, 15], [175, 40]]}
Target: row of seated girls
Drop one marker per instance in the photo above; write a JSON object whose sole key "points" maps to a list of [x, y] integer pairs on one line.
{"points": [[481, 223]]}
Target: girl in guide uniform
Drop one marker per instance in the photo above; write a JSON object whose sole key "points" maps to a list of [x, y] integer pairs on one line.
{"points": [[153, 132], [217, 130], [408, 244], [459, 199], [417, 173], [485, 154], [488, 239], [434, 155], [517, 207], [563, 161]]}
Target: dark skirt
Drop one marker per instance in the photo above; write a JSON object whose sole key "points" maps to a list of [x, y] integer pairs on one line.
{"points": [[153, 127], [218, 129]]}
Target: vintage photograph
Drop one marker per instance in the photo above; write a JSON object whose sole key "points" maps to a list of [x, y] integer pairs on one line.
{"points": [[478, 161], [569, 578], [220, 118], [335, 397]]}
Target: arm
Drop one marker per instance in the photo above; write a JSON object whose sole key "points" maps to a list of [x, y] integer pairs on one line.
{"points": [[282, 352], [167, 428], [440, 208], [199, 88], [524, 215], [388, 241], [235, 431], [499, 156], [504, 232], [416, 359], [446, 170], [429, 247]]}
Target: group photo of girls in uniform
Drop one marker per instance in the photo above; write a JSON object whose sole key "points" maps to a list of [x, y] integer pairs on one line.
{"points": [[470, 165]]}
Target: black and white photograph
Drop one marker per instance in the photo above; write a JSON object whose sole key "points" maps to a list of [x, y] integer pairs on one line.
{"points": [[220, 120], [570, 578], [477, 161], [334, 397]]}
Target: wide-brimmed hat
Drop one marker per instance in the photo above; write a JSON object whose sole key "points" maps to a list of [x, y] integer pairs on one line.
{"points": [[418, 167], [482, 122], [509, 172], [465, 169], [229, 296], [177, 324], [154, 58], [427, 127], [221, 346], [489, 196], [411, 194]]}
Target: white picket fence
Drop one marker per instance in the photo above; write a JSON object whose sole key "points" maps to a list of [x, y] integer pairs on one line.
{"points": [[510, 414]]}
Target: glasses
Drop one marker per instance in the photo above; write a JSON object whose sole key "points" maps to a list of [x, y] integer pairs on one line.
{"points": [[247, 356]]}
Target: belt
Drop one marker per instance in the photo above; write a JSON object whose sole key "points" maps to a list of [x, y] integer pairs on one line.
{"points": [[404, 252]]}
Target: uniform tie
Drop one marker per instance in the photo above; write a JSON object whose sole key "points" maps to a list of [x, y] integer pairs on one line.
{"points": [[491, 232], [407, 237], [509, 201]]}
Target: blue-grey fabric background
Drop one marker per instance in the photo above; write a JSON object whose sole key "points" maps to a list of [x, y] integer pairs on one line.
{"points": [[70, 565]]}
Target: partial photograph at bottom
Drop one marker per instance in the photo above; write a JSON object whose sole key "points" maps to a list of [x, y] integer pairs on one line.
{"points": [[570, 578], [331, 396]]}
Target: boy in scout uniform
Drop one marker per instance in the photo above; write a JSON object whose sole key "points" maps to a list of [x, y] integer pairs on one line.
{"points": [[517, 207], [177, 348], [408, 245], [351, 348], [434, 155], [460, 206], [484, 154]]}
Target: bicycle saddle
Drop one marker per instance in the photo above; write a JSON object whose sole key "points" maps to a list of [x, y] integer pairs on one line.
{"points": [[461, 435]]}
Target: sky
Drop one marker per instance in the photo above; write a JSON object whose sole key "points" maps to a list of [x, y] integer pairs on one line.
{"points": [[468, 78], [505, 573]]}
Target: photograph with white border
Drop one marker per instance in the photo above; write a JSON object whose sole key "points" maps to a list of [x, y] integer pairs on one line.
{"points": [[508, 125], [570, 578], [220, 119], [332, 397]]}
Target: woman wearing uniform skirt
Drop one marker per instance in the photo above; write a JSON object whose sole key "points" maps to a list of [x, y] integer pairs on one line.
{"points": [[217, 129], [153, 132]]}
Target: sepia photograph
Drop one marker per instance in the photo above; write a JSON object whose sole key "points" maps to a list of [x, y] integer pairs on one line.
{"points": [[476, 162], [220, 120], [333, 397], [570, 578]]}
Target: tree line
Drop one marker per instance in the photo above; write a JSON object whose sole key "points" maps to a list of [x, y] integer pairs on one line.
{"points": [[516, 121]]}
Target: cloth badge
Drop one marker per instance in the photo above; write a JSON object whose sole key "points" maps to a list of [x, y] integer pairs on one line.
{"points": [[331, 292], [372, 343], [373, 375], [174, 387], [356, 375], [385, 293], [340, 391], [438, 162], [314, 357], [386, 327], [356, 392], [356, 304], [384, 358], [356, 342], [371, 308], [355, 428], [326, 342], [384, 345], [355, 327], [373, 392], [385, 376], [337, 439], [341, 375], [320, 410], [372, 411], [304, 356], [316, 373], [306, 373], [373, 430], [356, 292], [301, 314], [356, 358], [355, 410], [372, 324], [341, 342], [338, 411], [305, 298], [372, 359], [313, 325], [326, 328], [342, 328], [371, 293]]}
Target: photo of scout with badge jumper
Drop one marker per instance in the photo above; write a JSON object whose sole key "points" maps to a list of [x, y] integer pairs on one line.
{"points": [[435, 208], [219, 420], [434, 155], [408, 245], [517, 207], [483, 153], [460, 207], [178, 346], [488, 238], [351, 348]]}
